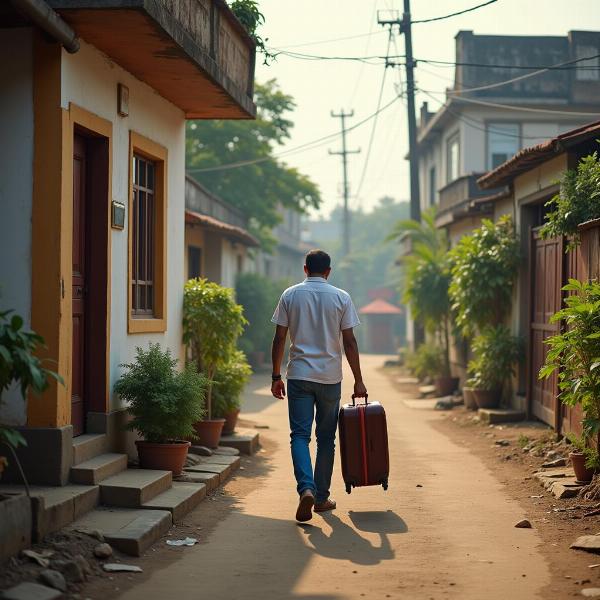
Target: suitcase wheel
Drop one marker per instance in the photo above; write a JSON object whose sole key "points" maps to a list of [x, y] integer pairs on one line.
{"points": [[348, 488], [384, 484]]}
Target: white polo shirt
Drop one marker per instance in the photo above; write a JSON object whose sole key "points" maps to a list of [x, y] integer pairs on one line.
{"points": [[316, 313]]}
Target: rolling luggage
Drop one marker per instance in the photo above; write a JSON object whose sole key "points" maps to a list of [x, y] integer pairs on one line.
{"points": [[364, 444]]}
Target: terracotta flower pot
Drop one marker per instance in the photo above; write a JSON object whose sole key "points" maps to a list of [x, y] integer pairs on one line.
{"points": [[209, 432], [486, 398], [163, 457], [445, 386], [469, 398], [582, 473], [231, 418]]}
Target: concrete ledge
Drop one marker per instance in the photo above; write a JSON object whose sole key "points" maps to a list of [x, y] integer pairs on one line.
{"points": [[179, 500], [55, 445], [210, 480], [15, 524], [500, 415], [247, 442], [134, 487]]}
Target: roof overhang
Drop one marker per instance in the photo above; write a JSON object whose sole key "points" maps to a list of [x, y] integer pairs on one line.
{"points": [[531, 157], [232, 232], [195, 54]]}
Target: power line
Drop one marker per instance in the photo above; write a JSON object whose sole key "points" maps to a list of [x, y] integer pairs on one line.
{"points": [[455, 14], [330, 40], [450, 63], [302, 148], [363, 59]]}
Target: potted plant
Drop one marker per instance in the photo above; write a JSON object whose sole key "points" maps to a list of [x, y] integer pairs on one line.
{"points": [[426, 282], [575, 354], [228, 384], [425, 362], [212, 323], [164, 405], [496, 353], [584, 459], [19, 366]]}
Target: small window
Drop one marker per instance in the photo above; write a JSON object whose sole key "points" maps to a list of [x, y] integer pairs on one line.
{"points": [[144, 251], [453, 158], [587, 70], [432, 186], [194, 262], [503, 143]]}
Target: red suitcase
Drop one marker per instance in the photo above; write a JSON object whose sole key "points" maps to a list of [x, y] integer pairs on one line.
{"points": [[364, 444]]}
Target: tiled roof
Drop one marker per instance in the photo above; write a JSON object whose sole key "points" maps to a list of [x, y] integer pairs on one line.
{"points": [[231, 231], [380, 307]]}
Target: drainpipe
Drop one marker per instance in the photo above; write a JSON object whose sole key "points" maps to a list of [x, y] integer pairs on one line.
{"points": [[48, 20]]}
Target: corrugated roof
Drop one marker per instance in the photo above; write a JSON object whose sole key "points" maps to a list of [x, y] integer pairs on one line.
{"points": [[531, 157], [231, 231], [380, 307]]}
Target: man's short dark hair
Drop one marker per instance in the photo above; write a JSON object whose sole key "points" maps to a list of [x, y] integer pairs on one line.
{"points": [[318, 261]]}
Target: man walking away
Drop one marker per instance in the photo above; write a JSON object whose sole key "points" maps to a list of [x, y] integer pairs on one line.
{"points": [[320, 319]]}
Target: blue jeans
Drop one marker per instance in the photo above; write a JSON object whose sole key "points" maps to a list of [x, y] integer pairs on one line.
{"points": [[303, 398]]}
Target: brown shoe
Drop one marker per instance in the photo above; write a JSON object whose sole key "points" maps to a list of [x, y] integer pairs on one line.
{"points": [[307, 501], [328, 504]]}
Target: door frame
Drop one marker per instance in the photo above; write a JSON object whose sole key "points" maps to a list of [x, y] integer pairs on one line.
{"points": [[98, 134]]}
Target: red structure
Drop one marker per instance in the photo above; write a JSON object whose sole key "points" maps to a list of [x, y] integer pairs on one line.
{"points": [[380, 319]]}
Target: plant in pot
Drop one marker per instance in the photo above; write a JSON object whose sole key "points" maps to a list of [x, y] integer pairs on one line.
{"points": [[164, 404], [425, 288], [19, 366], [496, 354], [574, 354], [425, 363], [228, 384], [212, 323]]}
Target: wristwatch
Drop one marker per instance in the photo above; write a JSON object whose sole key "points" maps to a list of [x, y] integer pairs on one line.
{"points": [[275, 377]]}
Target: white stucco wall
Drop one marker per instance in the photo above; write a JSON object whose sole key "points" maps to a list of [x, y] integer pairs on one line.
{"points": [[89, 79], [16, 172]]}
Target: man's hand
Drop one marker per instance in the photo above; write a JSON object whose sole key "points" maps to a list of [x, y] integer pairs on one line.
{"points": [[278, 389], [360, 391]]}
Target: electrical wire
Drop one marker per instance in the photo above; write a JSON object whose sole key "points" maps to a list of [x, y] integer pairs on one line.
{"points": [[318, 57], [362, 66], [455, 14], [302, 148], [330, 40], [449, 63]]}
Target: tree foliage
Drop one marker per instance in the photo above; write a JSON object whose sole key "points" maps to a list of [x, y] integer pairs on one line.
{"points": [[265, 183], [212, 323], [484, 267], [164, 403], [249, 15], [229, 382], [578, 200]]}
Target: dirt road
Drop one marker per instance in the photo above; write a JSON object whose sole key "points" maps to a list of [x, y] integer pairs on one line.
{"points": [[454, 537]]}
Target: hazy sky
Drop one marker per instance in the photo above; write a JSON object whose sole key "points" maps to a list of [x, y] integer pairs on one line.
{"points": [[321, 86]]}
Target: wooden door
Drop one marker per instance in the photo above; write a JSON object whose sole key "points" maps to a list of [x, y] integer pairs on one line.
{"points": [[78, 400], [545, 294]]}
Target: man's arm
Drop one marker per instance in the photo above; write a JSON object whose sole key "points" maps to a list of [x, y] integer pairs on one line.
{"points": [[278, 387], [351, 350]]}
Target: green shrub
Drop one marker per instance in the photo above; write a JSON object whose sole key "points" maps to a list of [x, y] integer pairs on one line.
{"points": [[426, 362], [212, 323], [484, 267], [165, 403], [228, 384], [578, 200], [575, 352], [496, 354]]}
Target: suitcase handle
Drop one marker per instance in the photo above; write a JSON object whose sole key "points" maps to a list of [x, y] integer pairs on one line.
{"points": [[354, 399]]}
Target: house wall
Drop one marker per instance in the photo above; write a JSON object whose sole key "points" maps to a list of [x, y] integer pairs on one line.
{"points": [[194, 236], [16, 184], [231, 251], [89, 80]]}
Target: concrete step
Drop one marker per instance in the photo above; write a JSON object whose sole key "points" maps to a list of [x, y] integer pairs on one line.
{"points": [[100, 467], [219, 459], [56, 507], [247, 442], [210, 480], [134, 487], [88, 446], [131, 531], [222, 471], [500, 415], [180, 499]]}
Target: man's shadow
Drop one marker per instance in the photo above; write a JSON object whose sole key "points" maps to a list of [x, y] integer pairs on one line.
{"points": [[345, 542]]}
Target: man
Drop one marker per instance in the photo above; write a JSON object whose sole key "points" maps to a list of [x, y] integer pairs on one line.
{"points": [[320, 319]]}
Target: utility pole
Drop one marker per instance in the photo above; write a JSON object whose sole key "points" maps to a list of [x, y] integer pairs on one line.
{"points": [[404, 26], [344, 154]]}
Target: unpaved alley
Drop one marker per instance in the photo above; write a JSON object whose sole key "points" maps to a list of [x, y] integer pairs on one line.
{"points": [[444, 529]]}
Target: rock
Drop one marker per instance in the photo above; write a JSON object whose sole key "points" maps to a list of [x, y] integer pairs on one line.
{"points": [[92, 533], [589, 543], [41, 558], [591, 592], [200, 450], [83, 564], [502, 443], [30, 591], [103, 551], [523, 524], [121, 568], [553, 454], [54, 579], [559, 462], [71, 569], [192, 460], [226, 451]]}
